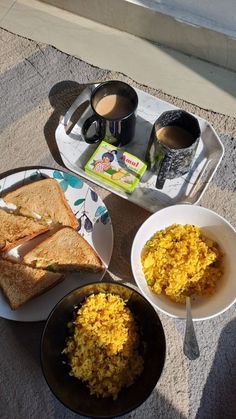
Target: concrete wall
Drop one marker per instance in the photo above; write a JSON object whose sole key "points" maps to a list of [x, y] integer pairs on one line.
{"points": [[202, 29], [213, 14]]}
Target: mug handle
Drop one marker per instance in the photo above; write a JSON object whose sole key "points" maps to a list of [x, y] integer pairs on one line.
{"points": [[100, 129], [163, 168]]}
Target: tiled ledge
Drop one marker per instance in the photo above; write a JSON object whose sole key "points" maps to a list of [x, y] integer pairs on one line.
{"points": [[160, 25]]}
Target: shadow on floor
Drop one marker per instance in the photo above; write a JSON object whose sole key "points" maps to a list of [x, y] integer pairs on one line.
{"points": [[155, 407], [218, 399], [126, 219], [61, 97]]}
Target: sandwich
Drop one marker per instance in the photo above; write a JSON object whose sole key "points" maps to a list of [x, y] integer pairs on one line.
{"points": [[65, 250], [21, 283], [17, 229], [43, 199], [41, 207]]}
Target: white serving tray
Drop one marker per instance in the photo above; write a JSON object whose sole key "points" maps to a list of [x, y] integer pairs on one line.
{"points": [[185, 189]]}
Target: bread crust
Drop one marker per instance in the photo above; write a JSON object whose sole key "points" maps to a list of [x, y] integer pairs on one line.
{"points": [[15, 307], [8, 246], [74, 221], [16, 229], [29, 297], [66, 250], [9, 197]]}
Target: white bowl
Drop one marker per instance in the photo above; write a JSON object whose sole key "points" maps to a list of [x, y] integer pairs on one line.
{"points": [[215, 227]]}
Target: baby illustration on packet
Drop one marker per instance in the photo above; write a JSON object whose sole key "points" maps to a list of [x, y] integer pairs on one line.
{"points": [[105, 163]]}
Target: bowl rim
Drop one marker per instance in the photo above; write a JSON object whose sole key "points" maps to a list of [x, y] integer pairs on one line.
{"points": [[207, 210], [152, 308]]}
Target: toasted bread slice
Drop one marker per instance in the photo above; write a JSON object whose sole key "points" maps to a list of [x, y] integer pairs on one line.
{"points": [[45, 198], [66, 250], [16, 229], [21, 283]]}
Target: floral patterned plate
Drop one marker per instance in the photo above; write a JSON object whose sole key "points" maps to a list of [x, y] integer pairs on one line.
{"points": [[95, 226]]}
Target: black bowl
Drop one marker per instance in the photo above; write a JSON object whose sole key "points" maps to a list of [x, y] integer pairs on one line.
{"points": [[72, 392]]}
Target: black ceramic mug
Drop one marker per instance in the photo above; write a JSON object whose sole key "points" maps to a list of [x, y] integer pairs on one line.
{"points": [[172, 145], [114, 106]]}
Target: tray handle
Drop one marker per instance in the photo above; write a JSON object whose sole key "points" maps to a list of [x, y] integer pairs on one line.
{"points": [[83, 97]]}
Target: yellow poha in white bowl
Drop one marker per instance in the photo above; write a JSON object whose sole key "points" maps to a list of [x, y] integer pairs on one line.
{"points": [[185, 250], [180, 261]]}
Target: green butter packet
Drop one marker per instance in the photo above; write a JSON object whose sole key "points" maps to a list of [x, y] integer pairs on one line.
{"points": [[115, 167]]}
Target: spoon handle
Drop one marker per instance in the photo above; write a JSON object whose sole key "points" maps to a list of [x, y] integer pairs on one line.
{"points": [[191, 349]]}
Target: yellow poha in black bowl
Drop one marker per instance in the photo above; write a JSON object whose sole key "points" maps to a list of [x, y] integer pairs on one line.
{"points": [[103, 350]]}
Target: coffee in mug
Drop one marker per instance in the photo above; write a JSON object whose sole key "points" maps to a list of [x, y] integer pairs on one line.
{"points": [[114, 106], [174, 137]]}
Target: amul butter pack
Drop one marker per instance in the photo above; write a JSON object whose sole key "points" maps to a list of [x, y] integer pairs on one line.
{"points": [[116, 167]]}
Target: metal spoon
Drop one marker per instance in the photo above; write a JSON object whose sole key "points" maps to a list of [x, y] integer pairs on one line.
{"points": [[191, 349]]}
